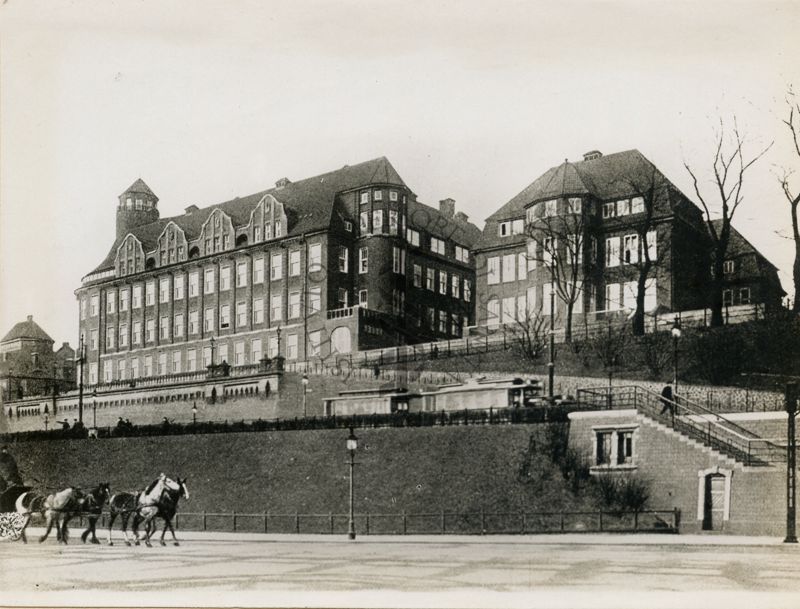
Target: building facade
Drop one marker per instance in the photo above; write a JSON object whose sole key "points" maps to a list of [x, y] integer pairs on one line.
{"points": [[316, 268], [590, 232]]}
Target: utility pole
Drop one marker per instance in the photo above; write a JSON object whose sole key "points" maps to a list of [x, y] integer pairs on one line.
{"points": [[791, 465], [551, 365]]}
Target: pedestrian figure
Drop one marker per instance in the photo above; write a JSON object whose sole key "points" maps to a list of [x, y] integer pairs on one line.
{"points": [[8, 468], [667, 400], [65, 425]]}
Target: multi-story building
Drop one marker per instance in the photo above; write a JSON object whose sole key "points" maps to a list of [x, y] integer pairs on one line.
{"points": [[587, 231], [748, 276], [339, 262]]}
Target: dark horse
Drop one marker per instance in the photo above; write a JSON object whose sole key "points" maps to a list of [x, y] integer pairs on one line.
{"points": [[165, 507], [92, 506], [124, 504]]}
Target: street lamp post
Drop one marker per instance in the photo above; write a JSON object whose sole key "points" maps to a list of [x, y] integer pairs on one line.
{"points": [[352, 445], [94, 409], [551, 365], [46, 420], [194, 413], [278, 334], [82, 362], [305, 391], [676, 334], [791, 465], [213, 342]]}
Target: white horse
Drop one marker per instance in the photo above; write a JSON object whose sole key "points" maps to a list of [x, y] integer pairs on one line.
{"points": [[57, 509], [124, 504], [165, 508]]}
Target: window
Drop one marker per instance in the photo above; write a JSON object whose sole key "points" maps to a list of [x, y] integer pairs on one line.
{"points": [[630, 249], [276, 307], [206, 356], [194, 326], [342, 297], [577, 306], [363, 260], [612, 297], [727, 298], [314, 299], [258, 310], [377, 221], [148, 365], [241, 274], [257, 234], [531, 255], [431, 318], [294, 263], [108, 371], [511, 227], [392, 222], [493, 311], [137, 296], [163, 290], [623, 207], [550, 208], [344, 259], [191, 360], [178, 329], [163, 326], [94, 305], [531, 302], [364, 222], [176, 362], [208, 320], [509, 309], [314, 257], [348, 226], [223, 353], [83, 308], [650, 295], [614, 447], [443, 322], [92, 374], [241, 314], [225, 278], [226, 241], [135, 368], [728, 267], [652, 245], [150, 330], [412, 236], [612, 251], [430, 279], [574, 205], [162, 363], [314, 340], [150, 293], [123, 335], [137, 333], [467, 290], [437, 246], [238, 354], [593, 245], [398, 260], [637, 205], [549, 249], [393, 195], [208, 282], [417, 276], [272, 346], [629, 289], [377, 195], [509, 262], [363, 298], [291, 346], [604, 440], [522, 266], [455, 286], [744, 296], [609, 210], [111, 302], [364, 198], [255, 350], [193, 283], [225, 316], [294, 305], [258, 270], [442, 282], [110, 333], [268, 232], [462, 254], [493, 270], [178, 287], [276, 267]]}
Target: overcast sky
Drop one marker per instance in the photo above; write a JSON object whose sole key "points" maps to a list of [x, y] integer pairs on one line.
{"points": [[474, 100]]}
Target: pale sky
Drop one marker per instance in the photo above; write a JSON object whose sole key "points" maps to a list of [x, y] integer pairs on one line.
{"points": [[473, 100]]}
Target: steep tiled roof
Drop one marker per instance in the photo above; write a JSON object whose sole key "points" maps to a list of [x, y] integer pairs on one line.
{"points": [[27, 329], [607, 177], [738, 245], [139, 187], [308, 202], [426, 218]]}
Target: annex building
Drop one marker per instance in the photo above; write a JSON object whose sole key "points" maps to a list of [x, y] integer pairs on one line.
{"points": [[588, 231], [328, 265]]}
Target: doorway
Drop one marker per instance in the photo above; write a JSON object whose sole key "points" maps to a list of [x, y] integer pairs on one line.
{"points": [[714, 502]]}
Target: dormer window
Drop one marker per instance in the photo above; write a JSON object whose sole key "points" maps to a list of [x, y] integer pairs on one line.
{"points": [[138, 204], [511, 227], [728, 267], [550, 208], [610, 210], [637, 205], [574, 205]]}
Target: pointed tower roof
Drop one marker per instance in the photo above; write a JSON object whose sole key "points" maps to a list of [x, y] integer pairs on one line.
{"points": [[27, 329], [139, 187]]}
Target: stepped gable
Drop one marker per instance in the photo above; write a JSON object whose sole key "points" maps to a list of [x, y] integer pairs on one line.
{"points": [[604, 178], [26, 330], [308, 202]]}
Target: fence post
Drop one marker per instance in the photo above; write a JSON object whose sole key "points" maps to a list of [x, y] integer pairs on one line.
{"points": [[266, 522], [234, 521], [297, 522], [483, 522], [443, 523], [405, 523], [204, 520]]}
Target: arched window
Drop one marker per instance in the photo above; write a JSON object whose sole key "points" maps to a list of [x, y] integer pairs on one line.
{"points": [[241, 240], [194, 252], [150, 263]]}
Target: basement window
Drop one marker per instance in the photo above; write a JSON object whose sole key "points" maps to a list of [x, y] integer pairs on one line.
{"points": [[614, 448]]}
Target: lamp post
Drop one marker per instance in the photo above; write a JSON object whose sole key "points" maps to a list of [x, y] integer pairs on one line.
{"points": [[352, 445], [305, 391], [194, 413], [82, 362], [791, 465], [46, 420], [213, 342], [278, 334], [676, 334], [551, 365], [94, 409]]}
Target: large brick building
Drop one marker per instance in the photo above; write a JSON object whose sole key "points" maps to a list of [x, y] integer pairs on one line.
{"points": [[587, 231], [327, 265]]}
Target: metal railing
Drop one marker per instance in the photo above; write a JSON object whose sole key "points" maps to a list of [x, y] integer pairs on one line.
{"points": [[430, 523], [690, 419]]}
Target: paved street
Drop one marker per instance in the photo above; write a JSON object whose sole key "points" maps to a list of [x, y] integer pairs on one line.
{"points": [[535, 571]]}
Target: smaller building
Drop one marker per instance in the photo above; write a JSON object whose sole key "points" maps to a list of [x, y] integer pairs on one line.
{"points": [[29, 366]]}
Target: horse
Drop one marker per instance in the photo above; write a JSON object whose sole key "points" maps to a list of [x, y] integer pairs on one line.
{"points": [[165, 508], [92, 505], [124, 504], [60, 506]]}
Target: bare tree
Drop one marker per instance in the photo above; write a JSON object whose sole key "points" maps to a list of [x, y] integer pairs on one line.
{"points": [[610, 346], [530, 334], [792, 122], [730, 163], [648, 189], [558, 242]]}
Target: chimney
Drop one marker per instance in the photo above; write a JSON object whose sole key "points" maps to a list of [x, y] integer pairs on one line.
{"points": [[592, 155], [191, 209], [462, 217], [30, 317], [282, 182], [65, 344], [447, 207]]}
